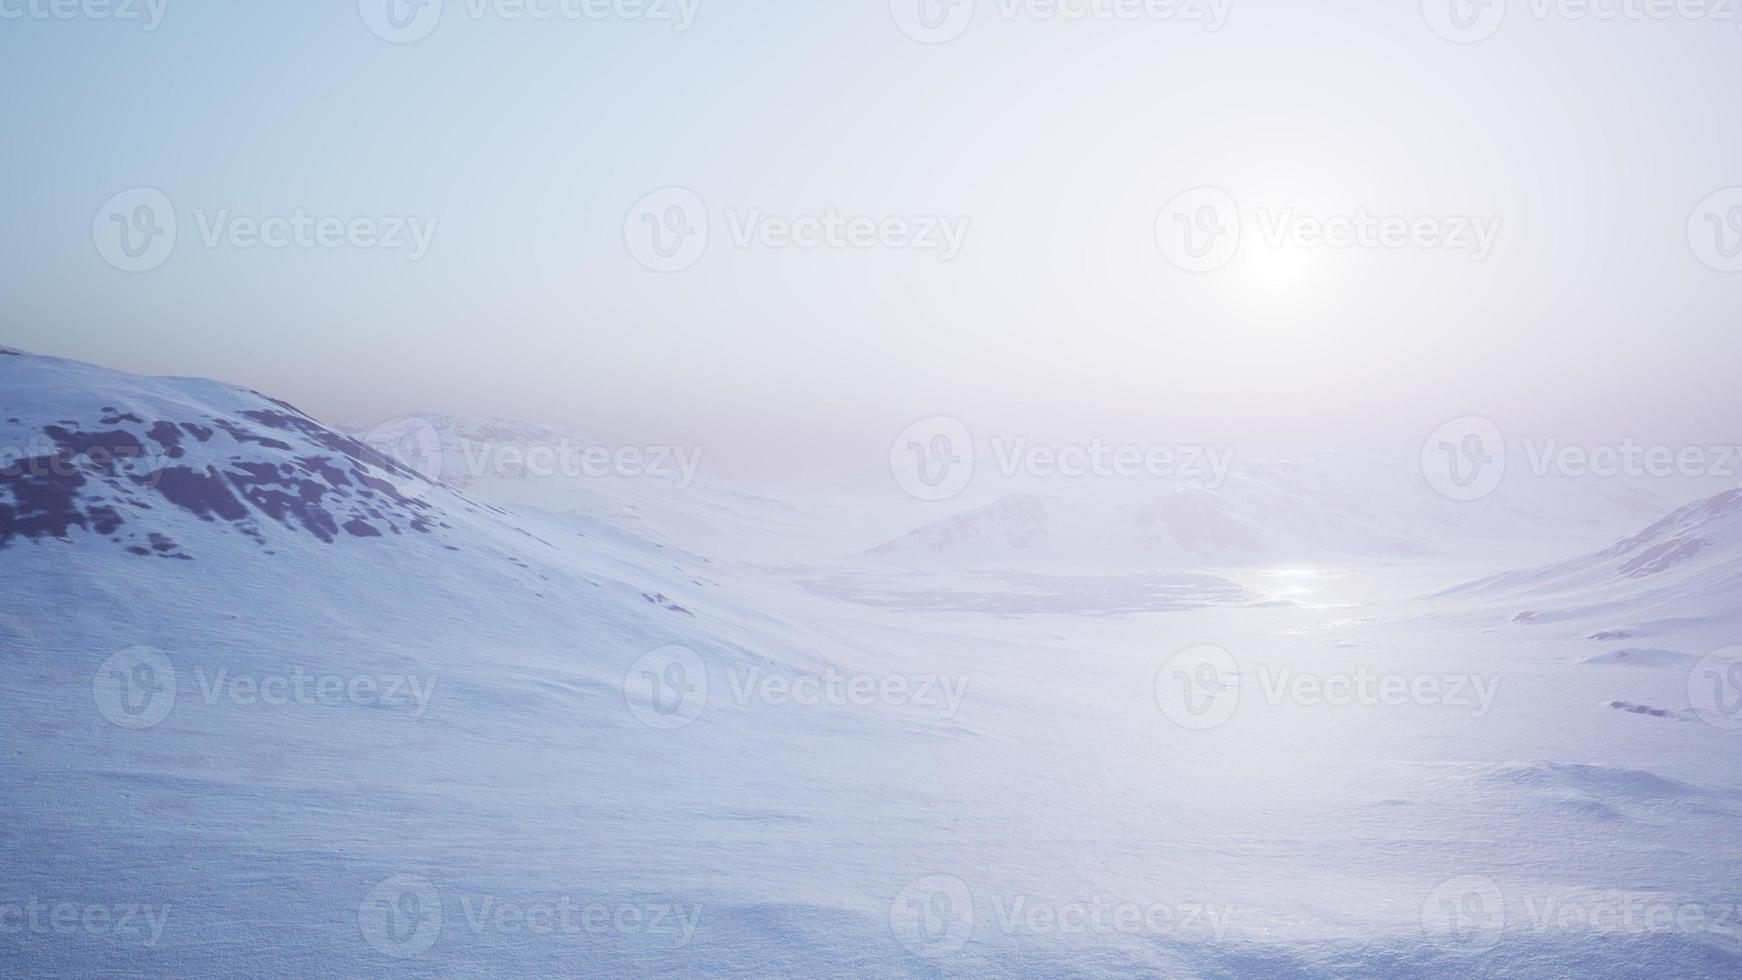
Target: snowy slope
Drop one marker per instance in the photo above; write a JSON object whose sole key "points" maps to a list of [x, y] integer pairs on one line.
{"points": [[368, 675], [115, 480], [1686, 567], [486, 753], [144, 463], [665, 493]]}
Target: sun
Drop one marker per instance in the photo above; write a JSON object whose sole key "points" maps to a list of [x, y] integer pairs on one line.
{"points": [[1284, 270]]}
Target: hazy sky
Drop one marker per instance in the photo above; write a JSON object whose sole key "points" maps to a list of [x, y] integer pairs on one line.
{"points": [[1049, 146]]}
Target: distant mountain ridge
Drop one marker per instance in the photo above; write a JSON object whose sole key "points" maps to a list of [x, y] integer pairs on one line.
{"points": [[1273, 509]]}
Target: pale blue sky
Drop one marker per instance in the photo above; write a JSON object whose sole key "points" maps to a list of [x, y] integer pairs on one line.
{"points": [[527, 142]]}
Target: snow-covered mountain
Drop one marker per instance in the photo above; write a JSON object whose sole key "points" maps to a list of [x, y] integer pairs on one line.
{"points": [[320, 715], [109, 474], [664, 493], [168, 468], [1272, 510], [1685, 568], [1012, 523], [106, 475], [366, 672]]}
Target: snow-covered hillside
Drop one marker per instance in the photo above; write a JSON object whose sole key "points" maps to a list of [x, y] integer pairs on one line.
{"points": [[257, 670], [664, 493], [260, 509], [1685, 569], [295, 710], [147, 465]]}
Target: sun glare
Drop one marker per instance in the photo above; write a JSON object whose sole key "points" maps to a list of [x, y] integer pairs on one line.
{"points": [[1282, 270]]}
